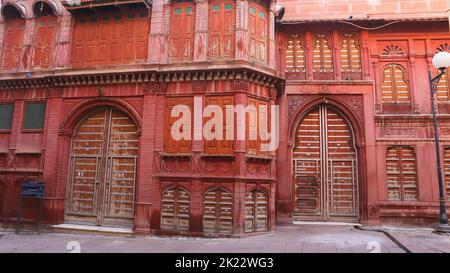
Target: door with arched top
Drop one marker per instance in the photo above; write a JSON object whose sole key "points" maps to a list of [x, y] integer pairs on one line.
{"points": [[102, 171], [325, 177]]}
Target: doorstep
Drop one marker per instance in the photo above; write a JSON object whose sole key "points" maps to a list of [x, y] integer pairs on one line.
{"points": [[326, 223], [96, 229]]}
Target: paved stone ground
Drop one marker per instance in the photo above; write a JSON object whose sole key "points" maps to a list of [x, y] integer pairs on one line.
{"points": [[293, 238]]}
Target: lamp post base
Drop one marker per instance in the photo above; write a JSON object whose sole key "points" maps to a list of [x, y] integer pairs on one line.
{"points": [[442, 228]]}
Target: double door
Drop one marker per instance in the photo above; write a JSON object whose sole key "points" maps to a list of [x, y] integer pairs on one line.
{"points": [[325, 179], [102, 170]]}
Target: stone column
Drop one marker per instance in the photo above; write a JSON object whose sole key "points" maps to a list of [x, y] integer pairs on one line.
{"points": [[201, 31]]}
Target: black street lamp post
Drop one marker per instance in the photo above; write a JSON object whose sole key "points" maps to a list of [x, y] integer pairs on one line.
{"points": [[440, 61]]}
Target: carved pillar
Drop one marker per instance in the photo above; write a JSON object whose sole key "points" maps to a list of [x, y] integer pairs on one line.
{"points": [[308, 53], [159, 32], [272, 45], [241, 30], [52, 204], [336, 55], [2, 38], [26, 53], [61, 55], [151, 123], [201, 31]]}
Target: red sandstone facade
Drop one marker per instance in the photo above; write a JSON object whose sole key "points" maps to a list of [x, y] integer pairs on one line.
{"points": [[87, 90]]}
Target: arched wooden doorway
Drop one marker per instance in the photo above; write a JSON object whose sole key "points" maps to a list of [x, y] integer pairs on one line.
{"points": [[325, 176], [102, 170]]}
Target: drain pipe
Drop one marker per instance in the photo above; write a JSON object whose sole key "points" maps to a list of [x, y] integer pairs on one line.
{"points": [[387, 234]]}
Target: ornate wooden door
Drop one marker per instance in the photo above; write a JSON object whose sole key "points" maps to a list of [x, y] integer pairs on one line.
{"points": [[175, 206], [256, 211], [14, 33], [182, 26], [221, 29], [45, 37], [257, 28], [218, 212], [325, 180], [102, 171]]}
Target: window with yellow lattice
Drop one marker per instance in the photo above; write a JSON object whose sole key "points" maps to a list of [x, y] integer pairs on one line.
{"points": [[395, 85]]}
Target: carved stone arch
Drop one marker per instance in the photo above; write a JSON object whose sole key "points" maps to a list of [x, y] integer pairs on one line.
{"points": [[21, 8], [393, 50], [213, 188], [57, 10], [443, 47], [80, 110], [354, 120]]}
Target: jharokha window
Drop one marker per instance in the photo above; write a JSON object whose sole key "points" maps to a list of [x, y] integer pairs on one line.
{"points": [[174, 141], [257, 29], [182, 27], [447, 171], [322, 58], [221, 29], [295, 58], [401, 173], [395, 87], [443, 87], [110, 36], [13, 37], [218, 142], [46, 23], [350, 57]]}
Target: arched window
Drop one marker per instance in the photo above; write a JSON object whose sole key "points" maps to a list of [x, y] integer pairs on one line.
{"points": [[46, 23], [256, 211], [393, 51], [257, 29], [401, 173], [295, 54], [182, 27], [322, 54], [221, 28], [218, 211], [350, 53], [443, 87], [395, 87], [175, 205], [13, 37], [447, 171]]}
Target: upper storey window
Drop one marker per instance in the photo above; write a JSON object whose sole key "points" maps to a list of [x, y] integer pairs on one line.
{"points": [[110, 36], [46, 23], [443, 87], [350, 57], [295, 58], [182, 29], [322, 57], [13, 38], [395, 87], [221, 28], [257, 28]]}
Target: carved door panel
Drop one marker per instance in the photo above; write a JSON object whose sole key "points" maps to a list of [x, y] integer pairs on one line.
{"points": [[102, 170], [221, 29], [218, 212], [45, 38], [257, 27], [14, 33], [256, 211], [325, 183], [175, 206], [182, 31]]}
